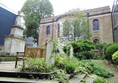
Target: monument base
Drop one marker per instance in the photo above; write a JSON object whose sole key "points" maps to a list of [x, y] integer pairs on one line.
{"points": [[14, 44]]}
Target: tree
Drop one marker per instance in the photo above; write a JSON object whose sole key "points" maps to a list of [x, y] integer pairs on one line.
{"points": [[34, 10], [76, 24]]}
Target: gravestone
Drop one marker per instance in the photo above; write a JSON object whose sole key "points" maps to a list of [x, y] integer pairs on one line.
{"points": [[71, 51], [60, 48], [49, 51]]}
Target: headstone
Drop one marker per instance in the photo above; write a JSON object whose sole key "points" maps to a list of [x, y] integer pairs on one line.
{"points": [[49, 51], [60, 48], [71, 51]]}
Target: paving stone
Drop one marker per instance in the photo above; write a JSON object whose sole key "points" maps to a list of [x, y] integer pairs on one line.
{"points": [[89, 80], [77, 78]]}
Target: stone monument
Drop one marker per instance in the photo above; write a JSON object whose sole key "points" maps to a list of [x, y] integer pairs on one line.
{"points": [[15, 42], [49, 53]]}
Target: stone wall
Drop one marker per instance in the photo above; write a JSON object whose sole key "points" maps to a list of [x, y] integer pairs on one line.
{"points": [[104, 33]]}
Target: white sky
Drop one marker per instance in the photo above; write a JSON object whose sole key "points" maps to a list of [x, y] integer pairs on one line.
{"points": [[61, 6]]}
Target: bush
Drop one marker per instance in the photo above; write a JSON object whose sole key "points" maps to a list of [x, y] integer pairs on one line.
{"points": [[80, 46], [85, 55], [110, 50], [100, 80], [68, 64], [92, 68], [115, 57]]}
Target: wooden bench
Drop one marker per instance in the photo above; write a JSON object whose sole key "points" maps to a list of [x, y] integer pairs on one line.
{"points": [[29, 53]]}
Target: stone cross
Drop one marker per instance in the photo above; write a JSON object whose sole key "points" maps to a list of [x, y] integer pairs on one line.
{"points": [[49, 51]]}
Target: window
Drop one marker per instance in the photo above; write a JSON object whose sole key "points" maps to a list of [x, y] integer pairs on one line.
{"points": [[48, 30], [96, 41], [58, 30], [95, 24]]}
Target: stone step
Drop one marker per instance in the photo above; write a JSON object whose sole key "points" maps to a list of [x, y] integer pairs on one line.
{"points": [[23, 80], [89, 79], [77, 78]]}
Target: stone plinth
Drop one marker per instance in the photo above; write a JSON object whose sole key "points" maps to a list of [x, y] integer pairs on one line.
{"points": [[17, 31], [14, 44]]}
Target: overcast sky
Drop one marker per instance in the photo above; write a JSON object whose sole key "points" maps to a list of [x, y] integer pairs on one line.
{"points": [[61, 6]]}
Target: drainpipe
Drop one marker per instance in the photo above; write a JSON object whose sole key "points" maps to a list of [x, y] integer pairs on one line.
{"points": [[52, 26], [112, 22]]}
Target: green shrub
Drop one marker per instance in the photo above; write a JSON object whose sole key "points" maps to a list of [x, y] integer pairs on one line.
{"points": [[98, 57], [61, 76], [100, 46], [100, 80], [115, 57], [92, 68], [85, 55], [37, 65], [110, 50], [68, 64], [80, 46]]}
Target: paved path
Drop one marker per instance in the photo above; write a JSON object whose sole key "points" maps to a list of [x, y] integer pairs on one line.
{"points": [[8, 66]]}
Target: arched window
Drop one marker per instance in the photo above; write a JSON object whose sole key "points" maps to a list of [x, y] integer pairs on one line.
{"points": [[95, 24], [48, 30], [96, 41], [58, 30]]}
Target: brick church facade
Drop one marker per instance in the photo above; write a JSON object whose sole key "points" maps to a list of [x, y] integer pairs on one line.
{"points": [[99, 20]]}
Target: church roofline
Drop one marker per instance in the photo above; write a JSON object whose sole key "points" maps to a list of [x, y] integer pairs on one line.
{"points": [[92, 12]]}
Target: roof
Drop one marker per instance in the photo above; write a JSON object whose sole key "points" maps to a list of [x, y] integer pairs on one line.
{"points": [[50, 19], [100, 10], [95, 11]]}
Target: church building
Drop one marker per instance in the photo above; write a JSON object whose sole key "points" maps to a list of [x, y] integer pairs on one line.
{"points": [[99, 20]]}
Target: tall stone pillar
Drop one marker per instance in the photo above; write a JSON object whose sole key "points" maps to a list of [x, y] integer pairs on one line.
{"points": [[15, 42]]}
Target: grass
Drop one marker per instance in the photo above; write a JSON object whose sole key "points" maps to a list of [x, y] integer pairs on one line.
{"points": [[110, 68]]}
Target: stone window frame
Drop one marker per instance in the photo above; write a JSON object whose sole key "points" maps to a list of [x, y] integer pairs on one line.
{"points": [[96, 25], [95, 40], [48, 30], [58, 29]]}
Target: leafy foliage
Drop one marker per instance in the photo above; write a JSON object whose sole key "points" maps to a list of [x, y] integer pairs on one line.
{"points": [[61, 76], [92, 68], [115, 57], [76, 25], [68, 64], [100, 46], [37, 65], [80, 46], [85, 55], [34, 10], [110, 50], [100, 80]]}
